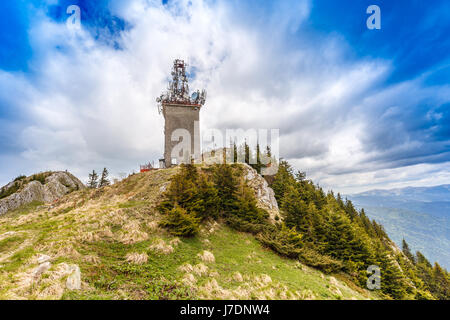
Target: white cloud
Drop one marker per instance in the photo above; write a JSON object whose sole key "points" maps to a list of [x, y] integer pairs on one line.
{"points": [[90, 105]]}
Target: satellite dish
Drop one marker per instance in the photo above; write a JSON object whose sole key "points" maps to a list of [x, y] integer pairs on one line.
{"points": [[194, 96]]}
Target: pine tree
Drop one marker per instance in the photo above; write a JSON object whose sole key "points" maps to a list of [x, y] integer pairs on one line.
{"points": [[245, 206], [235, 152], [205, 202], [93, 180], [104, 181], [180, 223], [392, 279], [181, 191], [441, 283], [247, 153], [226, 184], [268, 152], [296, 211], [258, 165], [407, 251], [283, 178], [300, 176]]}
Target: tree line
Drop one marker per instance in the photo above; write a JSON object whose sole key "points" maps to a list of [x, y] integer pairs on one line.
{"points": [[94, 181], [320, 229]]}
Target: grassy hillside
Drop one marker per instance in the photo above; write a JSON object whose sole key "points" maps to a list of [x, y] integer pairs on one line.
{"points": [[112, 235]]}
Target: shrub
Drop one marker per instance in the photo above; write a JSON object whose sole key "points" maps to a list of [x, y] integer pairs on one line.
{"points": [[6, 192], [193, 192], [180, 223], [39, 177], [245, 226], [245, 207], [314, 259], [282, 240]]}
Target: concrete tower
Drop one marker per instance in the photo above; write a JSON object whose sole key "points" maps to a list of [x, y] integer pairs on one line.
{"points": [[181, 114]]}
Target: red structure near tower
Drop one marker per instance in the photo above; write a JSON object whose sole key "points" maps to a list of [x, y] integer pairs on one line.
{"points": [[146, 167]]}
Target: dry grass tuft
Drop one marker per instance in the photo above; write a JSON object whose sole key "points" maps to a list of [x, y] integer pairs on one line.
{"points": [[237, 276], [207, 257], [137, 258], [306, 294], [50, 288], [132, 233], [263, 280], [187, 267], [89, 236], [333, 281], [212, 286], [161, 247], [189, 279], [335, 290], [153, 225], [200, 269], [93, 259], [175, 242], [210, 227]]}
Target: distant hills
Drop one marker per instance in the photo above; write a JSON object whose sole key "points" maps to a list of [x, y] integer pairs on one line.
{"points": [[421, 215]]}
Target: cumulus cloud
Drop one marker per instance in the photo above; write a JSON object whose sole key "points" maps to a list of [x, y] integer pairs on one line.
{"points": [[91, 103]]}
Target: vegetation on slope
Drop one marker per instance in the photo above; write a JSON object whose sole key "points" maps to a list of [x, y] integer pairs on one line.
{"points": [[112, 234], [424, 231], [124, 238], [333, 227], [20, 182], [319, 229]]}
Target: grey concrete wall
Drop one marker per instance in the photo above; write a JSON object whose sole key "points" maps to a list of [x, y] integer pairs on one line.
{"points": [[185, 118]]}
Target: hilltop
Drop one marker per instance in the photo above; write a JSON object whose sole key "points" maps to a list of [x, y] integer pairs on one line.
{"points": [[42, 187], [108, 244]]}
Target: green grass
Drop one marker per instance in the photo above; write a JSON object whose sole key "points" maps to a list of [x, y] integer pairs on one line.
{"points": [[112, 277], [10, 243], [18, 259], [232, 251], [157, 279], [153, 280], [25, 209], [132, 204]]}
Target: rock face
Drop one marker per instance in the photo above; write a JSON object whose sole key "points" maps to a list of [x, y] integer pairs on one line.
{"points": [[264, 194], [56, 185], [41, 269]]}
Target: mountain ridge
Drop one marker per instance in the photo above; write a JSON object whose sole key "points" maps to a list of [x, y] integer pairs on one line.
{"points": [[420, 215]]}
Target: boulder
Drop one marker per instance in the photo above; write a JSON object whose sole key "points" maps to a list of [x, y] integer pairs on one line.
{"points": [[43, 258], [41, 269], [56, 185], [73, 281], [264, 194]]}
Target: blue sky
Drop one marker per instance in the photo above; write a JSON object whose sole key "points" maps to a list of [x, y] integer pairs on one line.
{"points": [[356, 108]]}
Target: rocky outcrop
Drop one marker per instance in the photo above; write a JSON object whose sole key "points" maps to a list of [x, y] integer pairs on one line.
{"points": [[73, 281], [56, 185], [264, 194]]}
